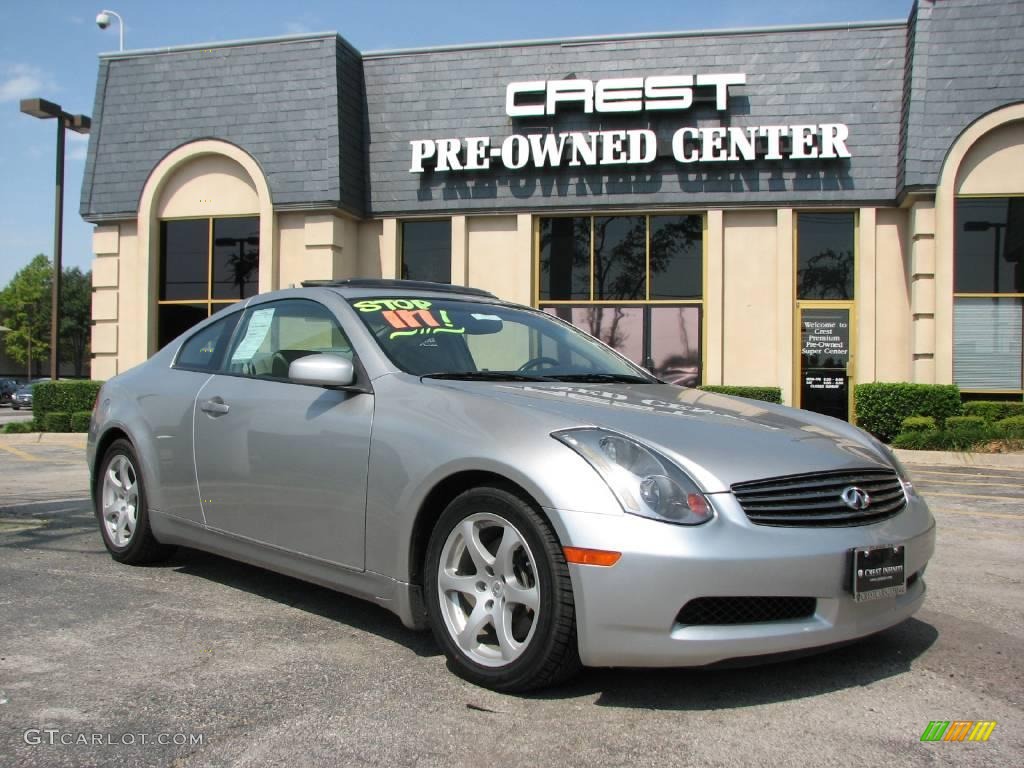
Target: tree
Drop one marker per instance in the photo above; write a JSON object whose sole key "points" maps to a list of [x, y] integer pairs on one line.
{"points": [[25, 309], [75, 316]]}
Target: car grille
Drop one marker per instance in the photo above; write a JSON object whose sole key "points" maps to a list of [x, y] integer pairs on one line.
{"points": [[814, 500], [745, 610]]}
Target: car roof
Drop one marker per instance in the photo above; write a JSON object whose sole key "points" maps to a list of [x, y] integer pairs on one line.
{"points": [[362, 287]]}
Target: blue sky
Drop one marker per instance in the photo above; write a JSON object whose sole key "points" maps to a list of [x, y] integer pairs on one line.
{"points": [[49, 48]]}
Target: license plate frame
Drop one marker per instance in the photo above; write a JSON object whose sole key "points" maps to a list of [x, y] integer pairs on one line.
{"points": [[879, 571]]}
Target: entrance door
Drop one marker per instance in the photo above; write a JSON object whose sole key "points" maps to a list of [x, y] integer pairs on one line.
{"points": [[826, 359]]}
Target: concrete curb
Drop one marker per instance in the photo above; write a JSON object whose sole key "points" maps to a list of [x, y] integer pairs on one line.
{"points": [[46, 438], [954, 459]]}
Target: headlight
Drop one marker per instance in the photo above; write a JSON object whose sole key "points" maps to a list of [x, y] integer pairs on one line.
{"points": [[645, 482], [901, 471]]}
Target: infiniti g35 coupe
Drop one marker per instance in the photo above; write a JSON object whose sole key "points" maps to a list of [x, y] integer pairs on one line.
{"points": [[489, 471]]}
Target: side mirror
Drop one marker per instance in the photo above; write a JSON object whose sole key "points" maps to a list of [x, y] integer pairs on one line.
{"points": [[322, 370]]}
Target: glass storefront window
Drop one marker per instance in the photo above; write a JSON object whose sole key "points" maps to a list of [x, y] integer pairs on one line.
{"points": [[825, 261], [565, 258], [675, 344], [677, 257], [989, 245], [987, 343], [205, 265], [620, 258], [427, 250]]}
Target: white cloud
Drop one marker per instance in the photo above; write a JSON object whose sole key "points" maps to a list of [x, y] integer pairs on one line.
{"points": [[77, 145], [296, 27], [21, 81]]}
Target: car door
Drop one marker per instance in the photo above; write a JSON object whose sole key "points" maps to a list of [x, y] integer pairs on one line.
{"points": [[277, 462]]}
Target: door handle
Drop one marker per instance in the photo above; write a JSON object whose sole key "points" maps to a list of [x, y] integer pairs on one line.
{"points": [[214, 407]]}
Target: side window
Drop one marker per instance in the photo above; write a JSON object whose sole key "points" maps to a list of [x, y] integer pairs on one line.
{"points": [[273, 335], [204, 351]]}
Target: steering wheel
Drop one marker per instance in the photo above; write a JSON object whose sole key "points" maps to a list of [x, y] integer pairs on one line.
{"points": [[538, 362]]}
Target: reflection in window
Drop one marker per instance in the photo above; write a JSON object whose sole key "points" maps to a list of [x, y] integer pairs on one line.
{"points": [[427, 251], [565, 258], [621, 328], [677, 257], [200, 275], [989, 245], [825, 256], [620, 258], [675, 344], [236, 258]]}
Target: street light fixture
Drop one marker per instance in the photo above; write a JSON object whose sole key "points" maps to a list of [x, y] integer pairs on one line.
{"points": [[103, 21], [45, 110]]}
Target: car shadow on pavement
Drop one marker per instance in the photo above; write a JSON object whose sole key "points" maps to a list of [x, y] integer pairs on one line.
{"points": [[320, 601], [858, 664]]}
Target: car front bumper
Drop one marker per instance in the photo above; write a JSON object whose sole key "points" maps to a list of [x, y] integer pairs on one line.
{"points": [[627, 614]]}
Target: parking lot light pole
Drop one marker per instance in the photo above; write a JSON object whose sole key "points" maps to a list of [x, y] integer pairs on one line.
{"points": [[45, 110]]}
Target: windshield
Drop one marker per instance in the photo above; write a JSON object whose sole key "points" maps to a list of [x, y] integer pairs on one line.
{"points": [[447, 338]]}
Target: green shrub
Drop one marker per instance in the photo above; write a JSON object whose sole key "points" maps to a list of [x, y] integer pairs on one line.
{"points": [[918, 424], [57, 421], [19, 427], [993, 410], [1011, 428], [767, 394], [956, 439], [65, 396], [882, 407], [80, 421], [969, 422]]}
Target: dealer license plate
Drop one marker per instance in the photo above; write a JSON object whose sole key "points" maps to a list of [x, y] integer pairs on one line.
{"points": [[879, 572]]}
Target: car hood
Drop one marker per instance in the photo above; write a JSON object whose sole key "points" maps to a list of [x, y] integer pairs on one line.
{"points": [[719, 440]]}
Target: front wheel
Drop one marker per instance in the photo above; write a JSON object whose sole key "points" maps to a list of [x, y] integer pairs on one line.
{"points": [[498, 593], [121, 508]]}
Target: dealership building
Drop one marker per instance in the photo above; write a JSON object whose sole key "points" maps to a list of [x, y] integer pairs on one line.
{"points": [[803, 207]]}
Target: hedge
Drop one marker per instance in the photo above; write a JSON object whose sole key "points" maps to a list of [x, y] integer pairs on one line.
{"points": [[19, 427], [80, 421], [918, 424], [882, 406], [957, 439], [64, 396], [994, 410], [966, 422], [1011, 428], [767, 394], [56, 421]]}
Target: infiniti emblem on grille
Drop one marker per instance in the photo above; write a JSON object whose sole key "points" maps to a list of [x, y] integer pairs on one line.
{"points": [[855, 498]]}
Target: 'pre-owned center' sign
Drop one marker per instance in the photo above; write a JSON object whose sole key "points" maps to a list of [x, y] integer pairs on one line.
{"points": [[715, 144]]}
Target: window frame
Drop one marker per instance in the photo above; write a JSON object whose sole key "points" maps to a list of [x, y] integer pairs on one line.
{"points": [[970, 295], [209, 301]]}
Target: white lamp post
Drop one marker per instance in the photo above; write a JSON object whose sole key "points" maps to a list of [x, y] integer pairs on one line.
{"points": [[103, 21]]}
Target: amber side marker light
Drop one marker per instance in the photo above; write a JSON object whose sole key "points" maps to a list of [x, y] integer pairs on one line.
{"points": [[582, 556]]}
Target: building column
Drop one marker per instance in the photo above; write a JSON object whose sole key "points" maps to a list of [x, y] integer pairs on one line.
{"points": [[922, 292], [326, 257], [785, 301], [106, 245], [864, 293], [460, 251], [390, 257], [714, 318]]}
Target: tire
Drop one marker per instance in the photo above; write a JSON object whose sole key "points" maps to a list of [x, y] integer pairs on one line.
{"points": [[507, 594], [123, 515]]}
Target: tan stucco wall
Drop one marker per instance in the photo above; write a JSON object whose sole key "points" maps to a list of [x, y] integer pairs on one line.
{"points": [[892, 320], [749, 299], [210, 185], [995, 164], [500, 257]]}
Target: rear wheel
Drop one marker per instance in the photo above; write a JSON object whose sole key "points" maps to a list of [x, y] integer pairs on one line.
{"points": [[498, 593], [121, 508]]}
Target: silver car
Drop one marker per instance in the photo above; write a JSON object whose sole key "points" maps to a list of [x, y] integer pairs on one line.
{"points": [[489, 471]]}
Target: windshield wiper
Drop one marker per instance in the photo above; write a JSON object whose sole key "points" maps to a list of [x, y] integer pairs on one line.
{"points": [[624, 378], [485, 376]]}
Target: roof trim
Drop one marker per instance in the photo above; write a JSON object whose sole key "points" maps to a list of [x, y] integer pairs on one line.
{"points": [[116, 55], [597, 39]]}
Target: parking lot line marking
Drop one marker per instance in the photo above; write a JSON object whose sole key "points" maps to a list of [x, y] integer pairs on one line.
{"points": [[974, 496], [968, 482], [19, 453], [956, 474], [982, 534], [997, 515]]}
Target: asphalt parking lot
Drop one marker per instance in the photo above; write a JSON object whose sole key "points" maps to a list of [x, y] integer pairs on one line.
{"points": [[231, 665]]}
